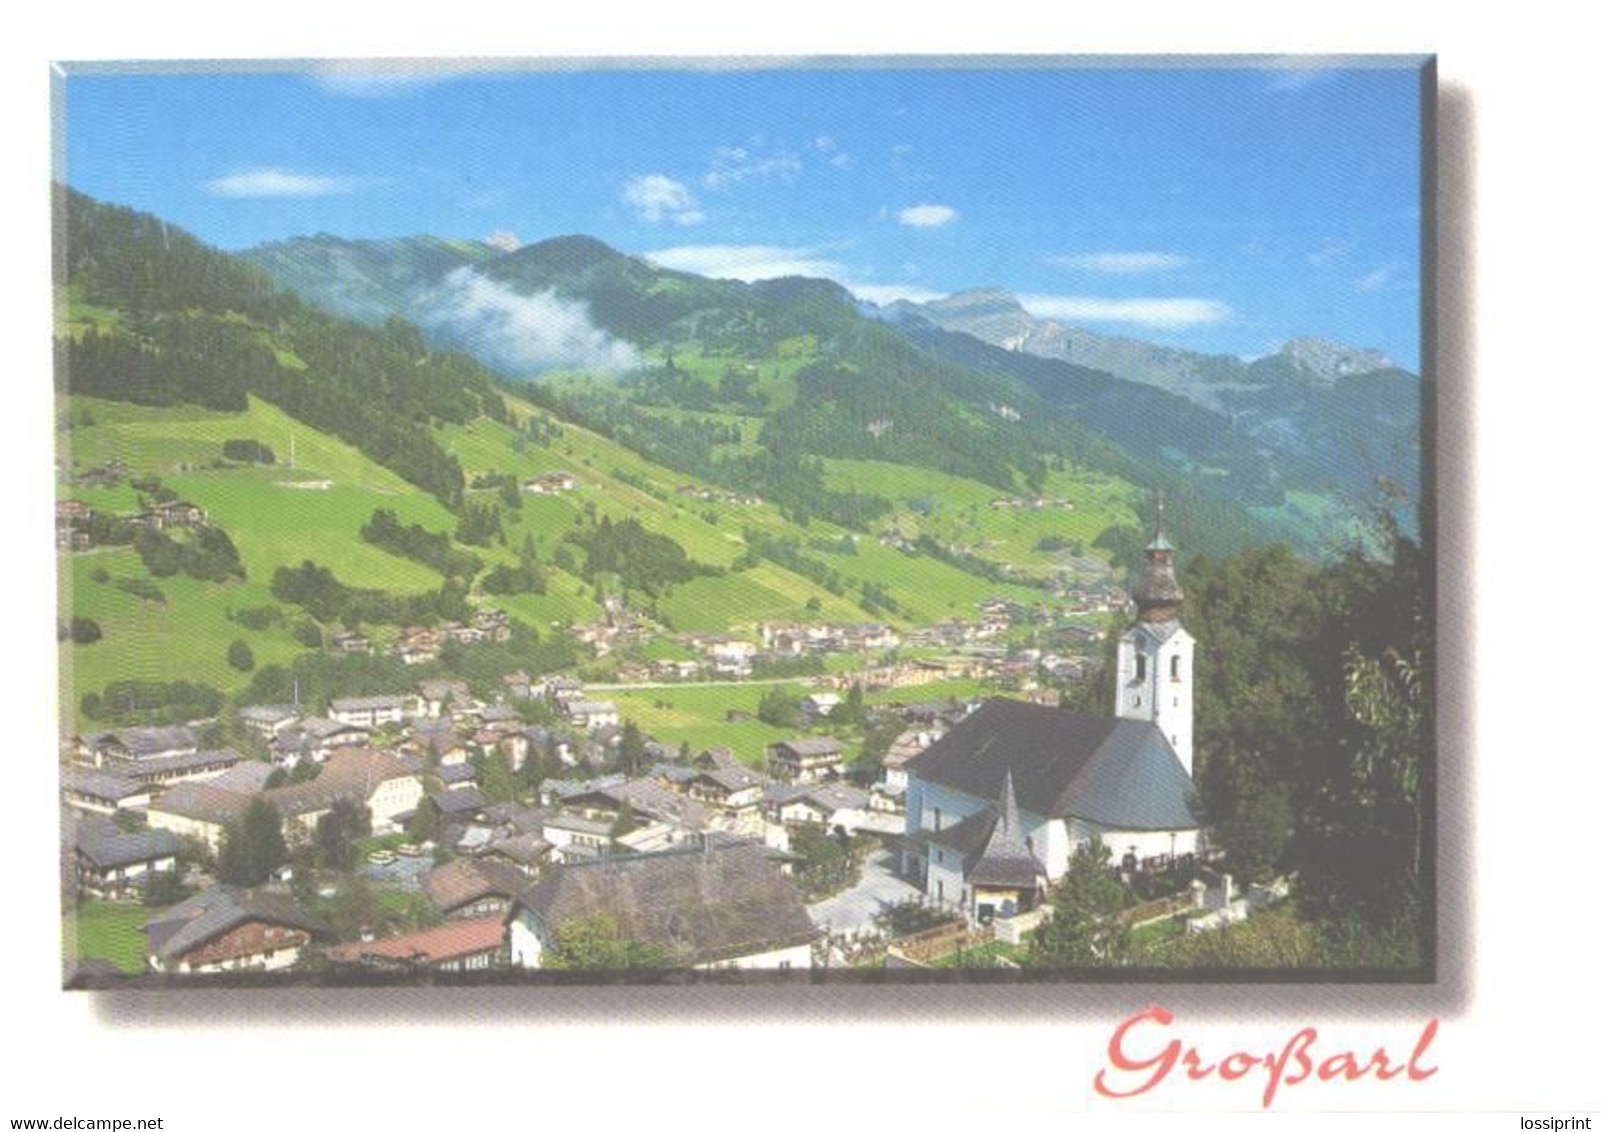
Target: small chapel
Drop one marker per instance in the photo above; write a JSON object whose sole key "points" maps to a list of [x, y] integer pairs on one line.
{"points": [[996, 807]]}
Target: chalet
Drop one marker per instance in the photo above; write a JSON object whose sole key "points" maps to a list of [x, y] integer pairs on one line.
{"points": [[807, 759], [818, 706], [519, 686], [439, 739], [135, 744], [907, 746], [269, 719], [713, 905], [646, 797], [102, 792], [562, 689], [435, 696], [718, 779], [675, 669], [369, 711], [833, 804], [418, 646], [869, 635], [113, 865], [494, 624], [314, 739], [462, 803], [349, 642], [525, 852], [571, 834], [467, 888], [591, 715], [460, 945], [783, 639], [551, 483], [554, 791], [226, 928], [175, 514]]}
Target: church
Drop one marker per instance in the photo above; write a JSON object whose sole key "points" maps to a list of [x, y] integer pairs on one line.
{"points": [[996, 807]]}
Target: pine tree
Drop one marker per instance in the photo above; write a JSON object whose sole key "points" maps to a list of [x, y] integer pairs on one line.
{"points": [[1083, 930], [253, 848]]}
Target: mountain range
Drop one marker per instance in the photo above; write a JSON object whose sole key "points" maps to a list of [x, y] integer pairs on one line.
{"points": [[1293, 436]]}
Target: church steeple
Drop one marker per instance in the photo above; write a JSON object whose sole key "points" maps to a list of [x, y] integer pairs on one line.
{"points": [[1007, 860], [1155, 656], [1157, 592]]}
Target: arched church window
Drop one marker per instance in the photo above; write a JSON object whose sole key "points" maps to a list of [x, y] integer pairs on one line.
{"points": [[1175, 666], [1139, 666]]}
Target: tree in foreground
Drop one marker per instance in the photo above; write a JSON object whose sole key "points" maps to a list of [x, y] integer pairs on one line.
{"points": [[596, 943], [253, 848], [339, 830], [1083, 929]]}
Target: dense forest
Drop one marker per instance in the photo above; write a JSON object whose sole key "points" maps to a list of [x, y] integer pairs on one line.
{"points": [[197, 325], [1315, 734]]}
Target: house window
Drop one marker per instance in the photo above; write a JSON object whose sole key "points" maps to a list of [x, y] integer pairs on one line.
{"points": [[1139, 666], [939, 891], [936, 819], [1175, 671]]}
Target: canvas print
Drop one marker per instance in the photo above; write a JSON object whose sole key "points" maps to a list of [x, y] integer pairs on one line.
{"points": [[719, 519]]}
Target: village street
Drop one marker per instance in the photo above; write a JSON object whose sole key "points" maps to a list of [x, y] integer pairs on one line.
{"points": [[878, 889]]}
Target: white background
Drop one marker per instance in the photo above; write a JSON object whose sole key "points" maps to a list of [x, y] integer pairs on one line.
{"points": [[1525, 1039]]}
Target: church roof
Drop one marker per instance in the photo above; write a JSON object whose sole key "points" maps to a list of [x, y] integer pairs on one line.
{"points": [[1007, 860], [1118, 773]]}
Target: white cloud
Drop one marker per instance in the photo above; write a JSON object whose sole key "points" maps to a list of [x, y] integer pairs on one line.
{"points": [[272, 182], [733, 164], [370, 80], [1157, 314], [505, 240], [842, 161], [1378, 279], [751, 262], [522, 334], [747, 262], [927, 215], [1327, 252], [655, 197], [886, 293], [1121, 263]]}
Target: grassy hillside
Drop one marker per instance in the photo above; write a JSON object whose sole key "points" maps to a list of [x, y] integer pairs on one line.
{"points": [[278, 516]]}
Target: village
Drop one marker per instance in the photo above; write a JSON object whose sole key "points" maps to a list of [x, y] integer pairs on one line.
{"points": [[438, 829]]}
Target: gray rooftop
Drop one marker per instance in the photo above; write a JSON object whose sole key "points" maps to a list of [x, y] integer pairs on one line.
{"points": [[1119, 773], [699, 904], [100, 784], [107, 847], [192, 923]]}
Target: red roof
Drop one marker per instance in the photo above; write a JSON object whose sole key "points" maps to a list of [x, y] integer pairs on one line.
{"points": [[454, 940]]}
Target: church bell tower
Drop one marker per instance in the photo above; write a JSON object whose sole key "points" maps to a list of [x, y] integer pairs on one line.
{"points": [[1155, 657]]}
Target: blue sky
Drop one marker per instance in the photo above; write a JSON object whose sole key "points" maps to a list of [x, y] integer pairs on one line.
{"points": [[1221, 208]]}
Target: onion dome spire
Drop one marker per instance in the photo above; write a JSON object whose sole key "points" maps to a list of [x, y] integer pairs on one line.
{"points": [[1157, 593]]}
